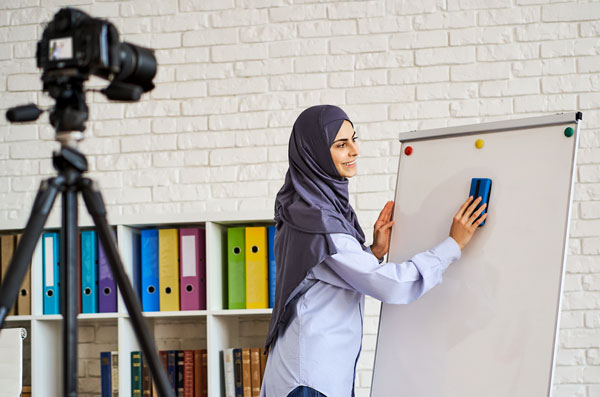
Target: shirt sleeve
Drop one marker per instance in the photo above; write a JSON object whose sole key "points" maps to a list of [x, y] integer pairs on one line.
{"points": [[390, 282]]}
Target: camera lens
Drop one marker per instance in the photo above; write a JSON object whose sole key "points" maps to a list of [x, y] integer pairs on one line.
{"points": [[138, 66]]}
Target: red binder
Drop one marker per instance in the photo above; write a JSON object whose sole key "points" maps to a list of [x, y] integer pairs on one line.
{"points": [[192, 269]]}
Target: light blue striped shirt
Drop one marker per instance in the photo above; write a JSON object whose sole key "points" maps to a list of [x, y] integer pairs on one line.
{"points": [[321, 344]]}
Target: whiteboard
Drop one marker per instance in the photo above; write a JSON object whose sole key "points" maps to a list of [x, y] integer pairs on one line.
{"points": [[490, 328], [11, 361]]}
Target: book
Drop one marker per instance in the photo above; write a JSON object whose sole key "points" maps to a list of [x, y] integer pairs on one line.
{"points": [[168, 269], [263, 363], [257, 277], [238, 373], [114, 365], [136, 373], [105, 374], [228, 372], [246, 373], [172, 370], [198, 379], [146, 379], [255, 371], [188, 373], [204, 366], [272, 266], [180, 371]]}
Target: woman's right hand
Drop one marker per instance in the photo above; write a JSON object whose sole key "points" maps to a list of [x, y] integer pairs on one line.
{"points": [[465, 222]]}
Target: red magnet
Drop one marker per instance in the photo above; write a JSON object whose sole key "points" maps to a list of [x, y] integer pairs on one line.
{"points": [[408, 151]]}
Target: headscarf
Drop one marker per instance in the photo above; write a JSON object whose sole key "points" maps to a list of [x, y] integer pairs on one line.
{"points": [[312, 203]]}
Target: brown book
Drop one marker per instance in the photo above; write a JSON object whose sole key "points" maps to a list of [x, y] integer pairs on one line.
{"points": [[204, 391], [255, 371], [146, 379], [263, 363], [26, 391], [246, 373], [188, 373], [24, 299], [198, 381], [163, 358], [7, 249]]}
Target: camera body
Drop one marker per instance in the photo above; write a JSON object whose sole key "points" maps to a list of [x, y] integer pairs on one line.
{"points": [[74, 40]]}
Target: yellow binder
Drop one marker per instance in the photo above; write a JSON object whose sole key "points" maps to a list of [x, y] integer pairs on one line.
{"points": [[168, 269], [257, 275]]}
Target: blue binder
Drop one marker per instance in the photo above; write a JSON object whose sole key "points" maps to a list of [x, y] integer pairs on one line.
{"points": [[105, 374], [272, 271], [51, 273], [89, 272], [150, 290], [136, 259]]}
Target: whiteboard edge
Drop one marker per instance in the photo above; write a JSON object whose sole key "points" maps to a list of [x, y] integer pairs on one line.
{"points": [[381, 303], [494, 126], [565, 254]]}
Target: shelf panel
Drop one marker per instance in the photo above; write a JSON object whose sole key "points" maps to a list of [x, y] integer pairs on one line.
{"points": [[80, 316], [241, 312], [182, 313], [19, 318]]}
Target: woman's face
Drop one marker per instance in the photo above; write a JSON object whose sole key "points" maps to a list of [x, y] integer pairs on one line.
{"points": [[344, 150]]}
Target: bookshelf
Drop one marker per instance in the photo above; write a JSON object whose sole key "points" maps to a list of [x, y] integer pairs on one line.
{"points": [[215, 328]]}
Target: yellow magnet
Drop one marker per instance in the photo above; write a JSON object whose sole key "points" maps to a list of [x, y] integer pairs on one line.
{"points": [[479, 143]]}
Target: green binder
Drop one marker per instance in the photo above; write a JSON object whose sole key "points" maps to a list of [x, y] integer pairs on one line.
{"points": [[236, 268], [136, 373]]}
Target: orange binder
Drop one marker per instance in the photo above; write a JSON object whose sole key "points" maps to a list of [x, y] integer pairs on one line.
{"points": [[168, 269], [257, 274]]}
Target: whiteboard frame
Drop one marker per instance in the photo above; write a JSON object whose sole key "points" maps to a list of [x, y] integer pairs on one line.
{"points": [[495, 127]]}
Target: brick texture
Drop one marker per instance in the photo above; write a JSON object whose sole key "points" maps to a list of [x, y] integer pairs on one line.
{"points": [[234, 75]]}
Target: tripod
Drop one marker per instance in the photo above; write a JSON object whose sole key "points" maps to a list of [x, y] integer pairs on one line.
{"points": [[71, 164]]}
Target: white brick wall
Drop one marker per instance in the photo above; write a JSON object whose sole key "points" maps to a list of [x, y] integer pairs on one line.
{"points": [[234, 74]]}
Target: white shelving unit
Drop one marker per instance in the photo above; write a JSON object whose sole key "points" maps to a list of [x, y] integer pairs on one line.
{"points": [[222, 325]]}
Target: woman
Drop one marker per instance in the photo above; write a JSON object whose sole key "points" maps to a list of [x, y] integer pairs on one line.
{"points": [[324, 270]]}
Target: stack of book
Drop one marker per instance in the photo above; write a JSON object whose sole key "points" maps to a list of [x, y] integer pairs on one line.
{"points": [[243, 369], [173, 269], [8, 244], [186, 370], [251, 269]]}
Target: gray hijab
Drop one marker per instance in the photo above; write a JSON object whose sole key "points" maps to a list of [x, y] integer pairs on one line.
{"points": [[312, 203]]}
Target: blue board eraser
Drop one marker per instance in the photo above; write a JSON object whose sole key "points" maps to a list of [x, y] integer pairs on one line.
{"points": [[481, 187]]}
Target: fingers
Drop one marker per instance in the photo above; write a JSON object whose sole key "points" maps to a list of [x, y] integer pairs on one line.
{"points": [[480, 220], [386, 214], [462, 209], [470, 209], [477, 213]]}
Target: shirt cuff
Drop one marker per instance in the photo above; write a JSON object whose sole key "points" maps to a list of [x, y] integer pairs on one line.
{"points": [[448, 250]]}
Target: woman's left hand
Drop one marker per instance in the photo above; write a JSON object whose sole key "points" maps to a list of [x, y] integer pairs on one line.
{"points": [[381, 234]]}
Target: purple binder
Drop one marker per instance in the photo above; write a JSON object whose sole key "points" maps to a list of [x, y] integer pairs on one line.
{"points": [[107, 288]]}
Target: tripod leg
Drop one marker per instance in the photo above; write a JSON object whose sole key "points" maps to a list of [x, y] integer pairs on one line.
{"points": [[17, 268], [95, 205], [69, 291]]}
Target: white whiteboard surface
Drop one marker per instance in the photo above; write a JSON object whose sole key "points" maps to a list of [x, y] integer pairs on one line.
{"points": [[11, 362], [490, 328]]}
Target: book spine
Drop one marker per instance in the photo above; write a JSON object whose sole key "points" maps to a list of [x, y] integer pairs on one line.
{"points": [[255, 371], [188, 373], [238, 372], [115, 373], [180, 373], [246, 373], [136, 374], [146, 379]]}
